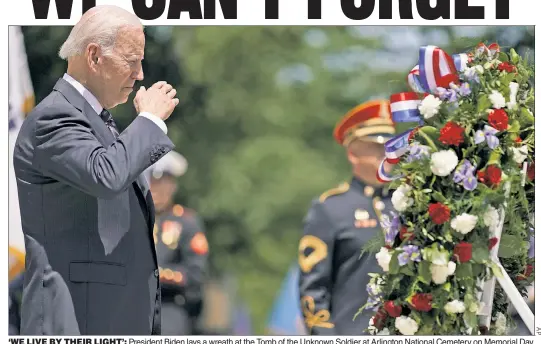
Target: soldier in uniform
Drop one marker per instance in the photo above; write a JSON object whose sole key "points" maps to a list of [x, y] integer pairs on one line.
{"points": [[340, 222], [181, 248]]}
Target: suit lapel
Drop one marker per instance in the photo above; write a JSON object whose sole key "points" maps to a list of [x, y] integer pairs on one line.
{"points": [[104, 135]]}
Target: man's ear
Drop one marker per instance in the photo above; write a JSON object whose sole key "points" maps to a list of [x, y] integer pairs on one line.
{"points": [[93, 53], [353, 159]]}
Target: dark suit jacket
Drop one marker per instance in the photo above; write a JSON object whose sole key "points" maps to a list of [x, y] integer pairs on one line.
{"points": [[87, 217]]}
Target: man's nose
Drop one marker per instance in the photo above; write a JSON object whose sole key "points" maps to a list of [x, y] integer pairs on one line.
{"points": [[139, 75]]}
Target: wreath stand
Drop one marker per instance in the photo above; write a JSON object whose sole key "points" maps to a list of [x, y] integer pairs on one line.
{"points": [[509, 288]]}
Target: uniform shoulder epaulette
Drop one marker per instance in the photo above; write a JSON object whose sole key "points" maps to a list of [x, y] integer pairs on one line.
{"points": [[340, 189]]}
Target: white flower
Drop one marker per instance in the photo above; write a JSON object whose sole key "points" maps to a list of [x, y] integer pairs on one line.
{"points": [[500, 325], [513, 89], [384, 332], [430, 106], [406, 325], [520, 154], [452, 267], [491, 218], [480, 69], [384, 258], [439, 272], [455, 306], [400, 198], [464, 223], [443, 162], [497, 99], [371, 328]]}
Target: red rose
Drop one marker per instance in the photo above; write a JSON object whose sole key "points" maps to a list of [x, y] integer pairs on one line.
{"points": [[493, 175], [405, 235], [506, 66], [498, 119], [481, 176], [492, 242], [452, 134], [531, 171], [392, 309], [463, 251], [518, 140], [379, 319], [439, 213], [422, 302]]}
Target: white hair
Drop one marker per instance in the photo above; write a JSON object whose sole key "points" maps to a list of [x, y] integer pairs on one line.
{"points": [[99, 25]]}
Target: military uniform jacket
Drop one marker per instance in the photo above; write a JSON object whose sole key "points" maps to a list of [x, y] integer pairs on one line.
{"points": [[334, 274], [182, 251]]}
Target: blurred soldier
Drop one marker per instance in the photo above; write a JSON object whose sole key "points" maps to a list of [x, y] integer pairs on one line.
{"points": [[333, 274], [181, 248]]}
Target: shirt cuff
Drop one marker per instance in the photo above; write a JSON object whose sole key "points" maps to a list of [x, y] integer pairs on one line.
{"points": [[159, 122]]}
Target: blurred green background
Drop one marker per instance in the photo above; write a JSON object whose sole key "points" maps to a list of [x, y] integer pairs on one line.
{"points": [[255, 120]]}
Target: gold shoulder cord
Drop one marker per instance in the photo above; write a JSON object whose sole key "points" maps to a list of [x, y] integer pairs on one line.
{"points": [[313, 318], [340, 189], [319, 252]]}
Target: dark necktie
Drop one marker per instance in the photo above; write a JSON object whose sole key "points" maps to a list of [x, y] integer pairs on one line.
{"points": [[109, 122]]}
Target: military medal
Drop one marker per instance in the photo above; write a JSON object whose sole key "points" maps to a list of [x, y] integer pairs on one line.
{"points": [[361, 218], [171, 233]]}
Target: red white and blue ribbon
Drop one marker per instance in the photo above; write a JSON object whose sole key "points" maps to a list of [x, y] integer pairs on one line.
{"points": [[414, 81], [461, 61], [396, 147], [404, 109], [435, 69]]}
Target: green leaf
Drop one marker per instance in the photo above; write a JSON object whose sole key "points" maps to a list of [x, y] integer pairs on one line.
{"points": [[393, 264], [406, 270], [483, 103], [515, 58], [438, 197], [510, 245], [432, 133], [478, 269], [514, 126], [424, 272], [494, 158], [503, 57], [480, 253], [526, 118], [464, 270], [470, 318]]}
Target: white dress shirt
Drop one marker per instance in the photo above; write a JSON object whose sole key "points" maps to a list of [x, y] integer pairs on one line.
{"points": [[93, 101]]}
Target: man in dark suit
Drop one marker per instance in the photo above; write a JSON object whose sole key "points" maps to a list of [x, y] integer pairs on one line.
{"points": [[87, 215], [181, 247], [340, 222]]}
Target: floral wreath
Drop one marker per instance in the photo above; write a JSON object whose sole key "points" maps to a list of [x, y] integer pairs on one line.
{"points": [[466, 169]]}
